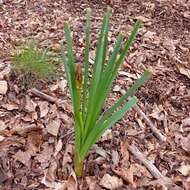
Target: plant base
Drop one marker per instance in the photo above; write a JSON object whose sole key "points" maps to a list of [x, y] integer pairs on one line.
{"points": [[78, 165]]}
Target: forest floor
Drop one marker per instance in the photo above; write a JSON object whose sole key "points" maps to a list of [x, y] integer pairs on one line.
{"points": [[36, 134]]}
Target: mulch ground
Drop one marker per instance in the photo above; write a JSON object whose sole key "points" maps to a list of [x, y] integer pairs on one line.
{"points": [[36, 135]]}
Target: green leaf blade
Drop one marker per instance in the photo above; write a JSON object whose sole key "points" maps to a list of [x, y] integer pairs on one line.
{"points": [[99, 129], [87, 49]]}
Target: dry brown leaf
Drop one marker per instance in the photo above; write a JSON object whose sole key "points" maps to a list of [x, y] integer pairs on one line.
{"points": [[30, 106], [107, 135], [91, 182], [186, 14], [157, 113], [34, 141], [100, 151], [2, 126], [116, 88], [67, 154], [183, 141], [53, 127], [1, 138], [115, 157], [139, 170], [127, 175], [56, 46], [128, 75], [111, 182], [10, 106], [72, 182], [5, 72], [58, 147], [45, 154], [51, 172], [53, 184], [3, 87], [186, 122], [44, 108], [124, 154], [184, 71], [62, 84], [23, 157], [144, 19], [184, 170]]}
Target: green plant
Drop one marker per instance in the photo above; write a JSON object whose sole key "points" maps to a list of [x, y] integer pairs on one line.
{"points": [[88, 100], [33, 61]]}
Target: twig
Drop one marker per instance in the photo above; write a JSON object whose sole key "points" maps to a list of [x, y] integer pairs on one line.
{"points": [[44, 96], [140, 156], [155, 131]]}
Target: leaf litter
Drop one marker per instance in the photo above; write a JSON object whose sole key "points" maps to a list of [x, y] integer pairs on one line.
{"points": [[36, 142]]}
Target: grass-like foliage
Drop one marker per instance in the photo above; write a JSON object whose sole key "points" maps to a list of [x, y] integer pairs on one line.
{"points": [[33, 61], [88, 100]]}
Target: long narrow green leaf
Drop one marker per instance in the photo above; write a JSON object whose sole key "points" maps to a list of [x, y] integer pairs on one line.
{"points": [[112, 75], [97, 70], [67, 70], [102, 89], [130, 92], [107, 82], [87, 48], [98, 130], [128, 44], [75, 90]]}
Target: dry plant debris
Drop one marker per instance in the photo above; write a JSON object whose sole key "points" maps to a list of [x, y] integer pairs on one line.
{"points": [[31, 157]]}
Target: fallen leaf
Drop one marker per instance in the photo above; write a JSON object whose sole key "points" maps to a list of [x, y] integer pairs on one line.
{"points": [[44, 108], [23, 157], [115, 157], [184, 170], [62, 85], [186, 122], [91, 182], [3, 87], [144, 19], [139, 170], [30, 106], [107, 135], [2, 138], [53, 127], [10, 106], [157, 113], [34, 141], [67, 154], [183, 141], [116, 88], [51, 172], [127, 175], [72, 182], [126, 74], [184, 71], [100, 151], [53, 184], [186, 14], [45, 154], [2, 126], [58, 147], [124, 154], [5, 72], [111, 182]]}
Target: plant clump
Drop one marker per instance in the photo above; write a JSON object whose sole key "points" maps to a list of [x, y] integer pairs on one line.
{"points": [[31, 60], [88, 95]]}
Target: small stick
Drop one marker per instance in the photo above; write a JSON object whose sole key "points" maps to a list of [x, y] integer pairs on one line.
{"points": [[155, 131], [140, 156], [44, 96]]}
